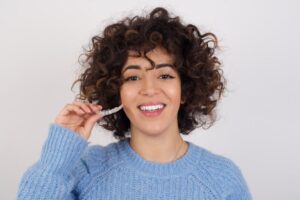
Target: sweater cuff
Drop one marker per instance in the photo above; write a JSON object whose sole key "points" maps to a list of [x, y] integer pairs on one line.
{"points": [[62, 149]]}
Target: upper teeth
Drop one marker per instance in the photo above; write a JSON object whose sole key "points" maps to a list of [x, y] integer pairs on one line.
{"points": [[154, 107]]}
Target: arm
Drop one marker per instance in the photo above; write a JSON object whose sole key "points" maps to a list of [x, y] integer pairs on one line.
{"points": [[53, 177], [239, 189]]}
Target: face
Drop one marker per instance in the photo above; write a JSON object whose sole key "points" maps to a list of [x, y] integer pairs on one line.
{"points": [[151, 98]]}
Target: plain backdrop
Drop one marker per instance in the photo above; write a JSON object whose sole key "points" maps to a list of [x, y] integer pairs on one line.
{"points": [[258, 119]]}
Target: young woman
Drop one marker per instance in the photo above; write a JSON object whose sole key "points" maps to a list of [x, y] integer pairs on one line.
{"points": [[167, 79]]}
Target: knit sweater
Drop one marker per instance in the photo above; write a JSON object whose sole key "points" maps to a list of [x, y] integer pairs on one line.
{"points": [[70, 168]]}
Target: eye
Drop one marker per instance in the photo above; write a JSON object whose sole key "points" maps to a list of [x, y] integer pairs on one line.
{"points": [[166, 76], [131, 78]]}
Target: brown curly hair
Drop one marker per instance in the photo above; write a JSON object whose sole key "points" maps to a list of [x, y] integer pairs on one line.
{"points": [[202, 82]]}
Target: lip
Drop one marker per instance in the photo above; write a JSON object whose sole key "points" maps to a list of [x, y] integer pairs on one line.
{"points": [[151, 104], [152, 113]]}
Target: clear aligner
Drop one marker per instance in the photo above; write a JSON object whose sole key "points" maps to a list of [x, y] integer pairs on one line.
{"points": [[111, 111]]}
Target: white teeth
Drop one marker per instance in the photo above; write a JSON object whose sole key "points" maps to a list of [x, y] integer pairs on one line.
{"points": [[151, 108]]}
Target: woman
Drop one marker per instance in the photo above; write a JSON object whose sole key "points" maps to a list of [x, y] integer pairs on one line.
{"points": [[168, 80]]}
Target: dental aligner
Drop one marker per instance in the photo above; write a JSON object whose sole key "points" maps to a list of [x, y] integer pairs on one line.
{"points": [[111, 111]]}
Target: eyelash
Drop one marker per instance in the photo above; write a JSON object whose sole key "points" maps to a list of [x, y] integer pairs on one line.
{"points": [[169, 77]]}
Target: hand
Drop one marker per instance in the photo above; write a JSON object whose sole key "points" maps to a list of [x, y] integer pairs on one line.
{"points": [[79, 117]]}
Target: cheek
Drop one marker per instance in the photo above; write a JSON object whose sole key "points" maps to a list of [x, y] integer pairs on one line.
{"points": [[127, 95], [175, 93]]}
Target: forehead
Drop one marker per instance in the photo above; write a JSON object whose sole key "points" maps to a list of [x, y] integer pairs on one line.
{"points": [[157, 55]]}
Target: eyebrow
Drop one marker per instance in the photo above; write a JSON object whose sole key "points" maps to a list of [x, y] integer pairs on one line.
{"points": [[138, 67]]}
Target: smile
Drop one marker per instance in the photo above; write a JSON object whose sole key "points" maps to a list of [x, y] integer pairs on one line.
{"points": [[152, 110], [152, 107]]}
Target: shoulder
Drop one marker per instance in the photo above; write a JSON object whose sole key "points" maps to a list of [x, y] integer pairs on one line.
{"points": [[99, 158], [217, 163], [222, 175], [95, 161]]}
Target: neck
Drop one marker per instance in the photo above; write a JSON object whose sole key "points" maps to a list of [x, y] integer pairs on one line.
{"points": [[159, 149]]}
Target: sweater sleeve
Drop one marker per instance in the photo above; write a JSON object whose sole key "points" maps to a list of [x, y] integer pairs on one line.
{"points": [[238, 187], [52, 176]]}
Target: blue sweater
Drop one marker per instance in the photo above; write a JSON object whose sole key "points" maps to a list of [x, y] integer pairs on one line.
{"points": [[70, 168]]}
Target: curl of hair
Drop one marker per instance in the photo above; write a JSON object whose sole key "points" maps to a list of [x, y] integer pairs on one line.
{"points": [[202, 80]]}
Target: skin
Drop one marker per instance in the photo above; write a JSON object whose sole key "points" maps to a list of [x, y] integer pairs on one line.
{"points": [[79, 117], [157, 138]]}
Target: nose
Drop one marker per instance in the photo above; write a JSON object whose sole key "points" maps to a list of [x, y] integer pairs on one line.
{"points": [[149, 86]]}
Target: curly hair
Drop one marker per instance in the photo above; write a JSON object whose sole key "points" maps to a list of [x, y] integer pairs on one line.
{"points": [[202, 80]]}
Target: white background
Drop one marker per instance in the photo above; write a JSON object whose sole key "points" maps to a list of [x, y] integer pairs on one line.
{"points": [[258, 119]]}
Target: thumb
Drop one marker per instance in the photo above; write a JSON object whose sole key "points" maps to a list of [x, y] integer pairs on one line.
{"points": [[90, 124]]}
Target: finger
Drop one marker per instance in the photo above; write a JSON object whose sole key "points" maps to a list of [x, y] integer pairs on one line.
{"points": [[83, 106], [95, 108], [90, 124], [72, 108]]}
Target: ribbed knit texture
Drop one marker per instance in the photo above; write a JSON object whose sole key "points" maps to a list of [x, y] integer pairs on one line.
{"points": [[69, 168]]}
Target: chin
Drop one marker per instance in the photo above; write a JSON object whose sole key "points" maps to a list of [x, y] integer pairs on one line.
{"points": [[151, 130]]}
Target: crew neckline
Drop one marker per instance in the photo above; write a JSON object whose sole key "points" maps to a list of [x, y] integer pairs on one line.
{"points": [[182, 165]]}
